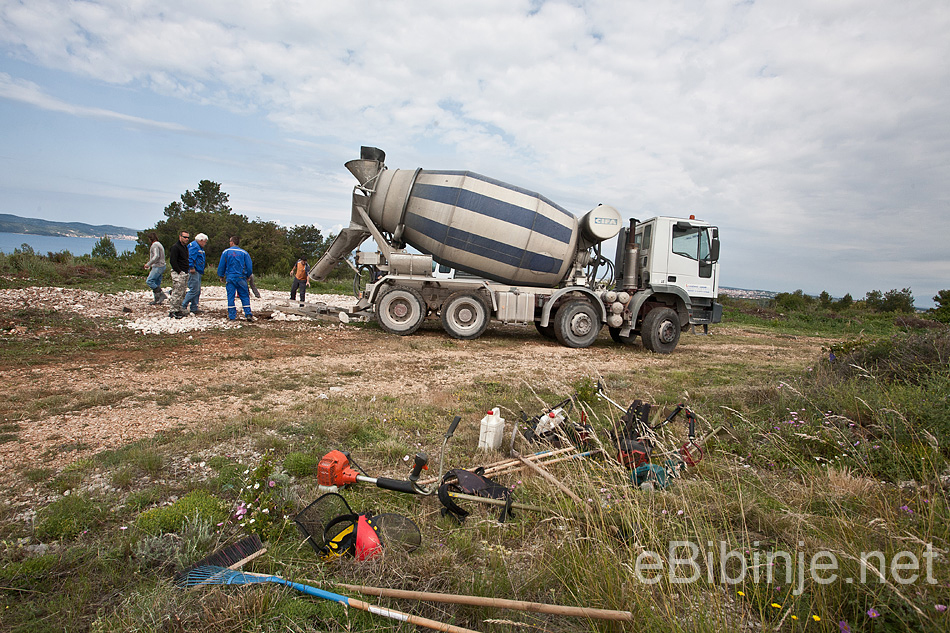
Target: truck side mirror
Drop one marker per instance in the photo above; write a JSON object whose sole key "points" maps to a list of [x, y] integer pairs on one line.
{"points": [[714, 250]]}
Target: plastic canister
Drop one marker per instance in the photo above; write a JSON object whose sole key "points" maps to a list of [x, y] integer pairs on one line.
{"points": [[492, 431]]}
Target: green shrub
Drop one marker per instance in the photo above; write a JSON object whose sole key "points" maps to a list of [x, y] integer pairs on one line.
{"points": [[67, 518], [172, 518], [904, 357]]}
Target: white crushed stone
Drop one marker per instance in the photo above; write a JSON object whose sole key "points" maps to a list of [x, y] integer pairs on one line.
{"points": [[135, 306], [169, 325]]}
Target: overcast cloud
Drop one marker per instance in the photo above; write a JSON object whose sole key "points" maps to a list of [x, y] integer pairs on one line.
{"points": [[815, 134]]}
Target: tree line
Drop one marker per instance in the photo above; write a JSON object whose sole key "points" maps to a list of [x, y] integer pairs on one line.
{"points": [[898, 301], [273, 248]]}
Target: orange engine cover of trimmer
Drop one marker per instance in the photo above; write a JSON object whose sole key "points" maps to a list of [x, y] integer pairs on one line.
{"points": [[334, 470]]}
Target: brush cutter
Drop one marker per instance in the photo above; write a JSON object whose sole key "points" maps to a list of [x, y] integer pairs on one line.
{"points": [[335, 471]]}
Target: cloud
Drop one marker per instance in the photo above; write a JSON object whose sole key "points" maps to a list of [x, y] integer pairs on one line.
{"points": [[811, 128], [29, 92]]}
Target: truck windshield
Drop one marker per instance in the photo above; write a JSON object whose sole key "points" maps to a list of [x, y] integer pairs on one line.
{"points": [[692, 242]]}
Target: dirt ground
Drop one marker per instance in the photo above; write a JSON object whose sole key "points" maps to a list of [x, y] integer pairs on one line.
{"points": [[208, 375]]}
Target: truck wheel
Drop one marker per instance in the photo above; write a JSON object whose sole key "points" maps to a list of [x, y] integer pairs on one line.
{"points": [[576, 324], [400, 311], [661, 330], [464, 316], [547, 331], [622, 340]]}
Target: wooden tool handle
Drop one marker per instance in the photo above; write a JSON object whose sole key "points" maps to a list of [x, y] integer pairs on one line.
{"points": [[500, 603]]}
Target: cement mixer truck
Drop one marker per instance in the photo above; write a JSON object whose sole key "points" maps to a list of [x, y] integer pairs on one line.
{"points": [[521, 259]]}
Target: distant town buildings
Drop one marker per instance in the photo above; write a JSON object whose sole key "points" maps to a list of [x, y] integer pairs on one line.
{"points": [[741, 293]]}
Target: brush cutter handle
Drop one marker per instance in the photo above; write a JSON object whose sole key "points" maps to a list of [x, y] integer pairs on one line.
{"points": [[453, 426], [398, 485], [418, 464]]}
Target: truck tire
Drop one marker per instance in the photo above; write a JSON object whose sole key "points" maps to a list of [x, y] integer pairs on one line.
{"points": [[464, 315], [661, 330], [577, 324], [622, 340], [547, 331], [401, 310]]}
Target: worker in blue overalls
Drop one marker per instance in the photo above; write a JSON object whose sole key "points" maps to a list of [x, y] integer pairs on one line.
{"points": [[234, 269]]}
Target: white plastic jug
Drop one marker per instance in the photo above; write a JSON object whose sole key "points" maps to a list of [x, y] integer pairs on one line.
{"points": [[492, 431]]}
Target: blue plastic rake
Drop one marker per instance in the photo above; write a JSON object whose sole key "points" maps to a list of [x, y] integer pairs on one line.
{"points": [[212, 575]]}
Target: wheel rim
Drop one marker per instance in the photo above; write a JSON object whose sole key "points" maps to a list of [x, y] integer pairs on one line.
{"points": [[581, 325], [667, 332], [464, 316], [399, 310]]}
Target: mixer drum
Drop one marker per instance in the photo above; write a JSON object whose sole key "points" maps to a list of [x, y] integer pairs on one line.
{"points": [[478, 224]]}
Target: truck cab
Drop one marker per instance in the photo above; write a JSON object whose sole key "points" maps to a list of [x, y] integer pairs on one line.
{"points": [[676, 253], [670, 268]]}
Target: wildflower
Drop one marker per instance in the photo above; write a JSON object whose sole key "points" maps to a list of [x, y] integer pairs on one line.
{"points": [[816, 618], [775, 605], [940, 607], [844, 627], [124, 527], [906, 509], [741, 594], [873, 613], [271, 483], [257, 485], [679, 512]]}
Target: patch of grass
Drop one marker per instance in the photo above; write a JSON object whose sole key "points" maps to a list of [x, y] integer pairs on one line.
{"points": [[36, 475], [141, 499], [141, 457], [271, 443], [67, 518], [301, 464], [174, 518]]}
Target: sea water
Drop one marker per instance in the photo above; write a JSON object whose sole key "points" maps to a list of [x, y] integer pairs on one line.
{"points": [[43, 244]]}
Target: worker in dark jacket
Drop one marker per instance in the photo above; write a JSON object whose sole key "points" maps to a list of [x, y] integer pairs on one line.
{"points": [[234, 269], [178, 259]]}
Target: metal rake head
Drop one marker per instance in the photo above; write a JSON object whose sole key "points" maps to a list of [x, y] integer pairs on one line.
{"points": [[212, 575]]}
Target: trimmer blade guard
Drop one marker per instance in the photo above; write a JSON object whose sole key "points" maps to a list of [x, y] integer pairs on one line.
{"points": [[398, 532], [313, 520]]}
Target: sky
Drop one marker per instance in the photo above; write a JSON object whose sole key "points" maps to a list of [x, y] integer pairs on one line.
{"points": [[814, 133]]}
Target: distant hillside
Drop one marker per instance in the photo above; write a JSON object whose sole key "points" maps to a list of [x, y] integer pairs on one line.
{"points": [[35, 226]]}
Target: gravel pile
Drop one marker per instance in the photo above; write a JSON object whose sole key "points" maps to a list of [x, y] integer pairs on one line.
{"points": [[135, 307]]}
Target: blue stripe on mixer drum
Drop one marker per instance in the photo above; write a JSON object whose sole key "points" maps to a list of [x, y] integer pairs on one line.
{"points": [[483, 246], [494, 208], [503, 185]]}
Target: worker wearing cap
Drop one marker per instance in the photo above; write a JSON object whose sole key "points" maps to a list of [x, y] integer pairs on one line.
{"points": [[234, 269], [196, 268]]}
